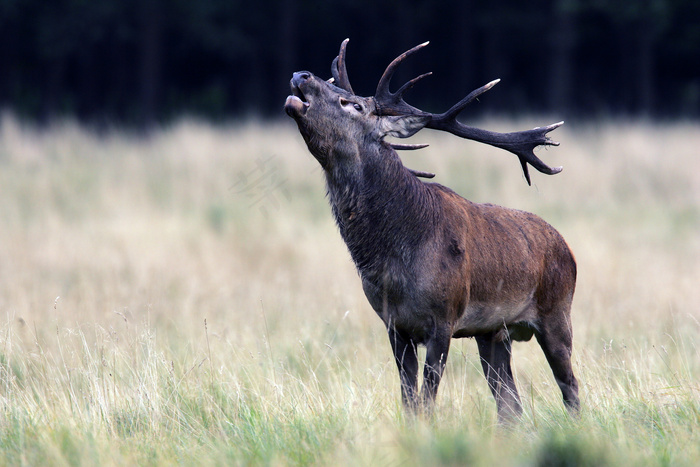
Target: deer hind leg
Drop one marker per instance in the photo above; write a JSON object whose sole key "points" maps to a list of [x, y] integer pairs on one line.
{"points": [[555, 338], [495, 360], [407, 363]]}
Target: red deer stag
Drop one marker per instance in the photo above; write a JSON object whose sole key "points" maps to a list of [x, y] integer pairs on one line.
{"points": [[434, 265]]}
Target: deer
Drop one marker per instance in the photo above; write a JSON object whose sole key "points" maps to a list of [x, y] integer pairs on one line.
{"points": [[434, 265]]}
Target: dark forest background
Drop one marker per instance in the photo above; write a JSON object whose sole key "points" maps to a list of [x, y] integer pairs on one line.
{"points": [[144, 61]]}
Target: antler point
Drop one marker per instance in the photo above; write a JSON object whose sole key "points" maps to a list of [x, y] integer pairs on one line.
{"points": [[491, 84]]}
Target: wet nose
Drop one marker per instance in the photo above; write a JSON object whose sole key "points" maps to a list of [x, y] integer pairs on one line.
{"points": [[299, 77]]}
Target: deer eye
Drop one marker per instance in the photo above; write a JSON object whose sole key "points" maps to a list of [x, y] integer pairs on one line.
{"points": [[355, 105]]}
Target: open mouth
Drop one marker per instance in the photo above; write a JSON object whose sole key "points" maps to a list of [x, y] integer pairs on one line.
{"points": [[296, 104]]}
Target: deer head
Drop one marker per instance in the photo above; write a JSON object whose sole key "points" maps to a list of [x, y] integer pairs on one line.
{"points": [[333, 120]]}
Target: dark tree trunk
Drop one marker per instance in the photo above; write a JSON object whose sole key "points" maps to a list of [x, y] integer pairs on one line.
{"points": [[563, 39], [88, 100], [118, 104], [645, 70], [465, 41], [150, 60], [54, 79], [287, 58], [495, 63]]}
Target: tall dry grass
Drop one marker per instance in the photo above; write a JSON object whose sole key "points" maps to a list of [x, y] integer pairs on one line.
{"points": [[185, 297]]}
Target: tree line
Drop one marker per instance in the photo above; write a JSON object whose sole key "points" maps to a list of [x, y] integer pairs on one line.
{"points": [[144, 61]]}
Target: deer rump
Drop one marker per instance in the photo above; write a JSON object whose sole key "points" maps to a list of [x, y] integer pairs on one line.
{"points": [[433, 264]]}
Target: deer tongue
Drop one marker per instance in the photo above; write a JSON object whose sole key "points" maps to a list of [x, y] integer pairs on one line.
{"points": [[295, 107]]}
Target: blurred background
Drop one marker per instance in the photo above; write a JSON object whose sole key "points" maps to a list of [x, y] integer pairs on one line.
{"points": [[140, 62], [181, 295]]}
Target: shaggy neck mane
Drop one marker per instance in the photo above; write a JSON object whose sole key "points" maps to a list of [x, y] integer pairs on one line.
{"points": [[382, 210]]}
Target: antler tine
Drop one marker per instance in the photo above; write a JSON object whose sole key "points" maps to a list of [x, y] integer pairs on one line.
{"points": [[420, 173], [408, 147], [520, 143], [339, 69], [410, 84], [392, 103], [459, 106]]}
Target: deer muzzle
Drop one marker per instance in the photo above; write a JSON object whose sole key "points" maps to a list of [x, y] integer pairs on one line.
{"points": [[295, 107], [296, 104]]}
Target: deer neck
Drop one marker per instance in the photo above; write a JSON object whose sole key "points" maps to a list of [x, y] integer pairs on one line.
{"points": [[382, 210]]}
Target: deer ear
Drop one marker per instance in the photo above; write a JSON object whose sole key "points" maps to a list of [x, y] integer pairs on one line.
{"points": [[402, 126]]}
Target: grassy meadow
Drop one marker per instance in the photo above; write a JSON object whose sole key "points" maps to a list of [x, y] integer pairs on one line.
{"points": [[186, 298]]}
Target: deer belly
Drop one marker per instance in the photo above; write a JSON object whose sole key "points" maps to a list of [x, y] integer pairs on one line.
{"points": [[481, 317]]}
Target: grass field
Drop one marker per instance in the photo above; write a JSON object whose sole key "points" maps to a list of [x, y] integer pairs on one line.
{"points": [[186, 298]]}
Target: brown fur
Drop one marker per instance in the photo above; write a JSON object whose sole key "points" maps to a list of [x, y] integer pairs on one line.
{"points": [[434, 265]]}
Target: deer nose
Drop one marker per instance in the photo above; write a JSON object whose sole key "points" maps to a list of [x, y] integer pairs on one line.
{"points": [[299, 77]]}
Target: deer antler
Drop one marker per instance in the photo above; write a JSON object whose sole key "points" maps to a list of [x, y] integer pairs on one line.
{"points": [[392, 103], [520, 143], [339, 69], [413, 147], [420, 173]]}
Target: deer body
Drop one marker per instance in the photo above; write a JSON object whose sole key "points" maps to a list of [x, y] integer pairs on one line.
{"points": [[434, 265]]}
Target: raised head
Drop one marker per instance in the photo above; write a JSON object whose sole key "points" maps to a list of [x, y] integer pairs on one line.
{"points": [[333, 120]]}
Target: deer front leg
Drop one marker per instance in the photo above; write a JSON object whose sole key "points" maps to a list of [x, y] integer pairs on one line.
{"points": [[407, 362], [435, 358]]}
